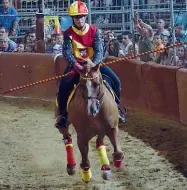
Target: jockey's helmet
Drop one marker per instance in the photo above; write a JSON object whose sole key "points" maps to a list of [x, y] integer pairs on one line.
{"points": [[77, 8]]}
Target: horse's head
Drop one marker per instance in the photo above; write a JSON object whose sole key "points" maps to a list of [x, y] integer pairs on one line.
{"points": [[92, 87]]}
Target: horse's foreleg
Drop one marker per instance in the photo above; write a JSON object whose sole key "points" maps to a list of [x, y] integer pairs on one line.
{"points": [[114, 139], [105, 165], [71, 163], [85, 163]]}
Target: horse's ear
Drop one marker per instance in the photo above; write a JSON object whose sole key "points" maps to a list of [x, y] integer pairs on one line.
{"points": [[96, 67]]}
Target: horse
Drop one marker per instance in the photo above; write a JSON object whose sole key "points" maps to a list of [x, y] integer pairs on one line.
{"points": [[93, 111]]}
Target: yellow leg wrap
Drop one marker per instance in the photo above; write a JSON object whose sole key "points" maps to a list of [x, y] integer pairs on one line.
{"points": [[103, 155], [86, 175]]}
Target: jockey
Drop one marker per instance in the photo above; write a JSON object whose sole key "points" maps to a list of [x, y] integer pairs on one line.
{"points": [[81, 41]]}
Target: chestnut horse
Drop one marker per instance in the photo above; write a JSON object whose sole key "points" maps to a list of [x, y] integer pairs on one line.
{"points": [[93, 112]]}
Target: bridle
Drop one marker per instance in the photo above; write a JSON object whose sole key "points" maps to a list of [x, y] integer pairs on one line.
{"points": [[98, 98]]}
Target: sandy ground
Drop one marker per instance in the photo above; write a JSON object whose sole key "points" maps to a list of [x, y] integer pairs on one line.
{"points": [[32, 155]]}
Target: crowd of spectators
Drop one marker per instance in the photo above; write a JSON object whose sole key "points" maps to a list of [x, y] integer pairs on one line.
{"points": [[146, 39]]}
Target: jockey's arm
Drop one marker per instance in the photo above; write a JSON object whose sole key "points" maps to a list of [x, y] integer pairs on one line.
{"points": [[67, 50], [98, 48]]}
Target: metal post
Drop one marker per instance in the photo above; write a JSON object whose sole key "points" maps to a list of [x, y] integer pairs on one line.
{"points": [[132, 24], [123, 18], [69, 3], [40, 44], [43, 6], [173, 28], [89, 12], [141, 6]]}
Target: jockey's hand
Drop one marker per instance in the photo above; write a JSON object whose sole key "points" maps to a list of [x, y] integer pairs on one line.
{"points": [[78, 67]]}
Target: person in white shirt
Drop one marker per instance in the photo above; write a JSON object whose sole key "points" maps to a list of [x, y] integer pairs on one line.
{"points": [[126, 42]]}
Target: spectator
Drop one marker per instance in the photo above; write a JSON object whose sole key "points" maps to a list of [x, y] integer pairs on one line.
{"points": [[146, 38], [12, 44], [9, 18], [50, 43], [114, 49], [29, 48], [164, 40], [20, 48], [4, 44], [105, 37], [161, 29], [57, 49], [180, 33], [181, 53], [157, 46], [125, 41], [108, 35], [59, 39], [131, 51], [30, 42], [31, 37], [167, 58]]}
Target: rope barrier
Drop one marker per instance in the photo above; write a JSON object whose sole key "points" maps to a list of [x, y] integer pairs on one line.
{"points": [[102, 64]]}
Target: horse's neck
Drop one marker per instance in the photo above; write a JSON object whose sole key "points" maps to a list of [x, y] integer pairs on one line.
{"points": [[108, 96], [78, 96]]}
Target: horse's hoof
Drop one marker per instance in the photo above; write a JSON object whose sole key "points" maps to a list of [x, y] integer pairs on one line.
{"points": [[71, 170], [106, 174], [118, 159], [86, 175], [118, 163]]}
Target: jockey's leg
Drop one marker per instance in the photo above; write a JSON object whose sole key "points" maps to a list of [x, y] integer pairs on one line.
{"points": [[65, 88], [116, 86]]}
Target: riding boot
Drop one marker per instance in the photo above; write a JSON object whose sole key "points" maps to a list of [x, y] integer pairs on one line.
{"points": [[61, 119], [121, 116]]}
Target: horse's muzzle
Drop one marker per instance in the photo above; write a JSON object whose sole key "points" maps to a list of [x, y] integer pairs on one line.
{"points": [[94, 108]]}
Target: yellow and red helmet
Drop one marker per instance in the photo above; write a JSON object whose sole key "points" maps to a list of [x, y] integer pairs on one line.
{"points": [[77, 8]]}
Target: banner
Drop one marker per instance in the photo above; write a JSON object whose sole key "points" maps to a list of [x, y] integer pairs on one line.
{"points": [[52, 25]]}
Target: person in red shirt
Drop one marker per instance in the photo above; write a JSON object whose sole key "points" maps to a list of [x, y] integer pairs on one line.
{"points": [[81, 41]]}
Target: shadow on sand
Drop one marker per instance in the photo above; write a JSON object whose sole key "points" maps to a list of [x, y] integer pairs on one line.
{"points": [[168, 137]]}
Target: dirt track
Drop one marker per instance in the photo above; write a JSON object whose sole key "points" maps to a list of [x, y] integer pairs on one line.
{"points": [[32, 154]]}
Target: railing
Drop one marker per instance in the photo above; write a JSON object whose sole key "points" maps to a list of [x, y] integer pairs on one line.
{"points": [[110, 16]]}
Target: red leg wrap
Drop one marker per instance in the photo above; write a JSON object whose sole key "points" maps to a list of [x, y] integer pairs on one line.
{"points": [[118, 163], [70, 155]]}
